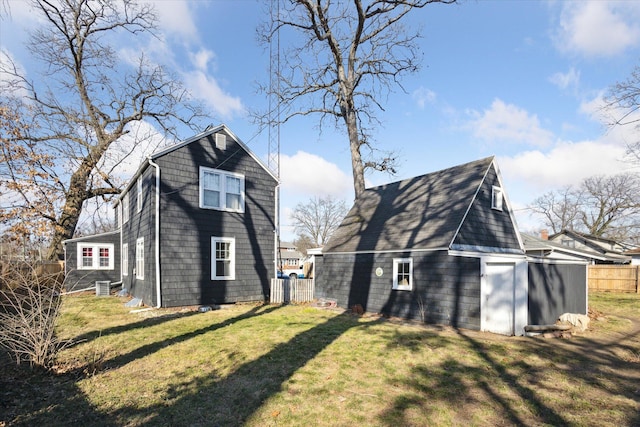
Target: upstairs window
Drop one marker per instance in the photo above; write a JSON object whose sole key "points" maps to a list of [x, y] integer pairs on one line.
{"points": [[95, 256], [496, 198], [139, 194], [403, 274], [221, 190], [125, 208]]}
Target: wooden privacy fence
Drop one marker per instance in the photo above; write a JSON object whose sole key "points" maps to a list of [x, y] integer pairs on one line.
{"points": [[291, 290], [614, 278]]}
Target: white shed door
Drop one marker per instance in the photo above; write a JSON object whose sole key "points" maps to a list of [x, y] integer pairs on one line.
{"points": [[498, 308]]}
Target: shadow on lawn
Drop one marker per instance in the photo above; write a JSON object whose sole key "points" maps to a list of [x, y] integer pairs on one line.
{"points": [[40, 398], [517, 388], [145, 323]]}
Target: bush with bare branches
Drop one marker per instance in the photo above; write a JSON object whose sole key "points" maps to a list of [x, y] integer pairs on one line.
{"points": [[29, 308]]}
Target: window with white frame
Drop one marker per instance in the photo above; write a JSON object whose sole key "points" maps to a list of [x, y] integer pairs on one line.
{"points": [[125, 208], [221, 190], [403, 274], [95, 256], [140, 258], [496, 198], [139, 191], [125, 259], [223, 258]]}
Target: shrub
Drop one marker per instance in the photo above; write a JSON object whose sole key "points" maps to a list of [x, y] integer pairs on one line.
{"points": [[29, 308]]}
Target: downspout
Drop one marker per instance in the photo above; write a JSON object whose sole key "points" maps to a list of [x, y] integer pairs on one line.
{"points": [[157, 230]]}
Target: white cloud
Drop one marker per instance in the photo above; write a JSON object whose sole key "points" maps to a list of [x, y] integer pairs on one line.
{"points": [[175, 17], [568, 163], [598, 28], [423, 96], [310, 175], [570, 79], [206, 88], [126, 154], [508, 123], [201, 59]]}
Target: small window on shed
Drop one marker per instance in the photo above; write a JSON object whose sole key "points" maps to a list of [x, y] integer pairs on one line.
{"points": [[403, 274], [221, 141], [496, 198]]}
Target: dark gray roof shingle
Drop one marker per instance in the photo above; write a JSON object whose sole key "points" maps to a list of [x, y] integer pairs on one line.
{"points": [[419, 213]]}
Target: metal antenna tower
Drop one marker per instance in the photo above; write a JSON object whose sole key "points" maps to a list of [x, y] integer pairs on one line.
{"points": [[274, 91]]}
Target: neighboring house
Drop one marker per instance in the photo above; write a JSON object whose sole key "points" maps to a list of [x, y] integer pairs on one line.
{"points": [[290, 261], [197, 224], [289, 256], [558, 280], [92, 258], [604, 251], [635, 256], [441, 247]]}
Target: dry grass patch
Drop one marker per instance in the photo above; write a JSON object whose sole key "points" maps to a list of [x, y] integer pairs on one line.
{"points": [[267, 365]]}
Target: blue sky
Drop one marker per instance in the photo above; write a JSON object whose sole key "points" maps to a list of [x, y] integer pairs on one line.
{"points": [[521, 80]]}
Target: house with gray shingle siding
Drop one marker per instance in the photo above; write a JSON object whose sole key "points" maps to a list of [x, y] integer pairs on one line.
{"points": [[442, 247], [197, 224]]}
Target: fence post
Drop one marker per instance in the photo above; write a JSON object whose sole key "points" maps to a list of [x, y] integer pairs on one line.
{"points": [[638, 279]]}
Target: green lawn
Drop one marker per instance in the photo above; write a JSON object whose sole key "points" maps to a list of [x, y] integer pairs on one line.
{"points": [[296, 365]]}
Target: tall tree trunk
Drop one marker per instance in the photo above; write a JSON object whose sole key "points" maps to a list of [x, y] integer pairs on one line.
{"points": [[357, 166], [65, 227]]}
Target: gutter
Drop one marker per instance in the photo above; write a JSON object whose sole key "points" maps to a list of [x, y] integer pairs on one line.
{"points": [[157, 231]]}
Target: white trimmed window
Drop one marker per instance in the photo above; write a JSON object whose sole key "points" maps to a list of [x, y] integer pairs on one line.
{"points": [[125, 259], [139, 191], [125, 208], [95, 256], [223, 258], [403, 274], [496, 198], [140, 258], [221, 190]]}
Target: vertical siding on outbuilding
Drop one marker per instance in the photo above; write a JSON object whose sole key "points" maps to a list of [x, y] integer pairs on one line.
{"points": [[554, 289]]}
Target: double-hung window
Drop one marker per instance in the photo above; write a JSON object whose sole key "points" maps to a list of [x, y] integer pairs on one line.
{"points": [[140, 258], [223, 258], [95, 256], [403, 274], [221, 190]]}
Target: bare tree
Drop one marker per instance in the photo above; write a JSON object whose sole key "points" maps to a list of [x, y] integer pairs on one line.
{"points": [[86, 100], [560, 208], [611, 206], [623, 103], [303, 243], [602, 206], [318, 218], [344, 60]]}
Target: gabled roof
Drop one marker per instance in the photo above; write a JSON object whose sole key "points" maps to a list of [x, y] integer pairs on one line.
{"points": [[540, 248], [209, 131], [425, 212], [596, 243]]}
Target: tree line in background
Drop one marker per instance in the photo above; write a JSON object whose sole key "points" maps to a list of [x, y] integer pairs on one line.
{"points": [[604, 206]]}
